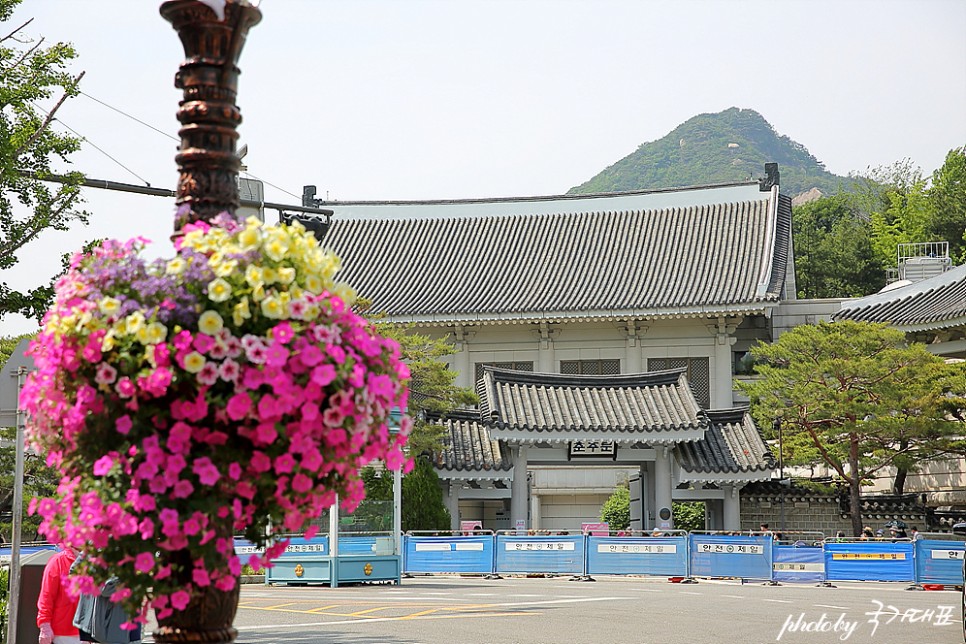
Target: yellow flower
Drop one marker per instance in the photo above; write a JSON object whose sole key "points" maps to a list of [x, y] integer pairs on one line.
{"points": [[109, 305], [84, 320], [313, 284], [107, 344], [219, 290], [210, 322], [152, 333], [312, 311], [176, 266], [273, 308], [285, 275], [269, 274], [258, 293], [241, 312], [277, 244], [254, 276], [344, 292], [133, 323], [250, 238], [194, 362], [226, 268], [194, 239]]}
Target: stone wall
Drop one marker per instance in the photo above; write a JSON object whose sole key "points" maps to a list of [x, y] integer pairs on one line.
{"points": [[807, 511], [802, 514]]}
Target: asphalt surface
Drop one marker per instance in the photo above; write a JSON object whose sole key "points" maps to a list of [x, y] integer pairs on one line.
{"points": [[611, 610]]}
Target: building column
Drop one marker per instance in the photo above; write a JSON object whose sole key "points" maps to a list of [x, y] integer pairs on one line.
{"points": [[722, 391], [545, 352], [662, 488], [534, 511], [452, 500], [461, 359], [732, 507], [519, 487], [633, 332]]}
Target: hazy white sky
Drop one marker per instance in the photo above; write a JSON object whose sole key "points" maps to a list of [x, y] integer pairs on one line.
{"points": [[420, 99]]}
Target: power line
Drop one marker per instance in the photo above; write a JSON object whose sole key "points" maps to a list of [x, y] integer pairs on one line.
{"points": [[133, 118], [174, 138], [94, 145]]}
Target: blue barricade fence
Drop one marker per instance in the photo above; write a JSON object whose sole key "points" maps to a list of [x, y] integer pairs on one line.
{"points": [[352, 545], [869, 561], [939, 561], [798, 564], [665, 555], [925, 561], [425, 553], [742, 556], [555, 554]]}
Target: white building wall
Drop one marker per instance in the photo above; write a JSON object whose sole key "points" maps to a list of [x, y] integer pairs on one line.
{"points": [[567, 511]]}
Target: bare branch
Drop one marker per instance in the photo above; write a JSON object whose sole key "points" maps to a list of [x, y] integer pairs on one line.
{"points": [[16, 31]]}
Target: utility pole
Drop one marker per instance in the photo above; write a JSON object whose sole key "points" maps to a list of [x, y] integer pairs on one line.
{"points": [[13, 604]]}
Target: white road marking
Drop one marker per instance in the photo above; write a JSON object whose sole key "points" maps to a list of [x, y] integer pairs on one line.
{"points": [[778, 601], [833, 607]]}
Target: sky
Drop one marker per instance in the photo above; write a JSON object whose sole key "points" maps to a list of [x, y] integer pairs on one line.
{"points": [[446, 99]]}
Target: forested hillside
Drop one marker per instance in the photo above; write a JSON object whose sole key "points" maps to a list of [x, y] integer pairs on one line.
{"points": [[733, 145]]}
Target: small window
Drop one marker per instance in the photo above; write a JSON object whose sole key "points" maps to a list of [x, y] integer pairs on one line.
{"points": [[698, 373], [518, 366], [591, 367]]}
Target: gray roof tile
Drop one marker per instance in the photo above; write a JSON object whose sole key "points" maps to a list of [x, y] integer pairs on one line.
{"points": [[701, 259], [933, 303], [640, 407], [467, 446], [633, 407], [731, 444]]}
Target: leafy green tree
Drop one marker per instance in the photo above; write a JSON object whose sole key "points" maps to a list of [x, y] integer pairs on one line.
{"points": [[29, 147], [833, 250], [854, 396], [947, 195], [688, 515], [616, 511], [432, 390]]}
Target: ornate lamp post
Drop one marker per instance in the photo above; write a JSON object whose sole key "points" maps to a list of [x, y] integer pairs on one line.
{"points": [[207, 161], [207, 185]]}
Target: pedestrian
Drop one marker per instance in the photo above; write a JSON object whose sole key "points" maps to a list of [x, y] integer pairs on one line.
{"points": [[55, 608], [914, 533], [101, 620]]}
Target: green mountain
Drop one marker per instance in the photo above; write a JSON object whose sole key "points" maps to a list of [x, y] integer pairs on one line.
{"points": [[729, 146]]}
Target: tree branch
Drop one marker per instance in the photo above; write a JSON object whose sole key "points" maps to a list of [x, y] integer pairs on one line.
{"points": [[16, 31], [43, 126]]}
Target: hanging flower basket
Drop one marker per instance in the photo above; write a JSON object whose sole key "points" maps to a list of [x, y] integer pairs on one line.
{"points": [[228, 390]]}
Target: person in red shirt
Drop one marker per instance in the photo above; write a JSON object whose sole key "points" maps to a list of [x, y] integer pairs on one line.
{"points": [[55, 608]]}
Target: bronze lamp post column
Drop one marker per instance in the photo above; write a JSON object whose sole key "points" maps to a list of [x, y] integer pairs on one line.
{"points": [[207, 162], [207, 185]]}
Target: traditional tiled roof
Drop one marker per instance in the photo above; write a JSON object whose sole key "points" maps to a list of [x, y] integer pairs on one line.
{"points": [[657, 407], [732, 444], [527, 264], [467, 446], [934, 303]]}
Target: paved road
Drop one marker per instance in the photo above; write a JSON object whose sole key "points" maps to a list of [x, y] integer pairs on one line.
{"points": [[612, 610]]}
